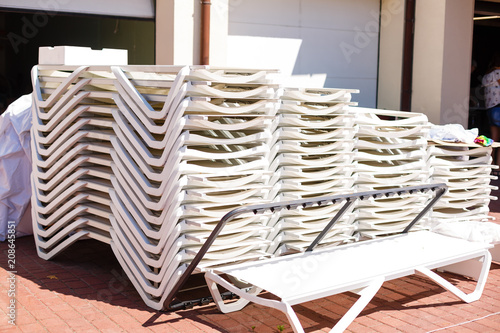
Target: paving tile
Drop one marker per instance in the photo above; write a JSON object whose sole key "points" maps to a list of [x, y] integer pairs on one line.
{"points": [[477, 326], [181, 326], [52, 300], [335, 308], [128, 324], [459, 329], [384, 329], [310, 318], [242, 318], [367, 321], [137, 329], [438, 321], [82, 325], [263, 328], [53, 285], [32, 328], [75, 284], [141, 315], [42, 313], [357, 327], [52, 321], [7, 328], [24, 317], [106, 325], [394, 322], [93, 280], [490, 323]]}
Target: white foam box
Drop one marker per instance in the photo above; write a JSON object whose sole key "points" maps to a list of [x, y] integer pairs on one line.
{"points": [[76, 55]]}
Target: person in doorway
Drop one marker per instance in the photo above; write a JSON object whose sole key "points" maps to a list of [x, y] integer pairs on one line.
{"points": [[491, 84]]}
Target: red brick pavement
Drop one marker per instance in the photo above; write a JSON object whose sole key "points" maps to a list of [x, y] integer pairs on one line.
{"points": [[85, 290]]}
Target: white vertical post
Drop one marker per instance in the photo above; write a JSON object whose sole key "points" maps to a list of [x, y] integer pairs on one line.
{"points": [[392, 14], [175, 35], [442, 60]]}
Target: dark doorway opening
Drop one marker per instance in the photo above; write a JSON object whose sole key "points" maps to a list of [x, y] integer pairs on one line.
{"points": [[485, 43], [22, 33]]}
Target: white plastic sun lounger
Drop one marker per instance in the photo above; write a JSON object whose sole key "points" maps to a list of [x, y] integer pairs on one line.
{"points": [[323, 108], [318, 95], [367, 116], [359, 267]]}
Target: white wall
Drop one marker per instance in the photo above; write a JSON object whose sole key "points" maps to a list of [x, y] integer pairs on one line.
{"points": [[320, 42]]}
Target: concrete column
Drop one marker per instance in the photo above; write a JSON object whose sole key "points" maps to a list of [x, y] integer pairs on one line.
{"points": [[392, 14], [219, 30], [178, 32], [175, 35], [442, 60]]}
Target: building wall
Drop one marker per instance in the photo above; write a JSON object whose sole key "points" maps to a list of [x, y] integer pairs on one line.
{"points": [[390, 72], [442, 60], [319, 42]]}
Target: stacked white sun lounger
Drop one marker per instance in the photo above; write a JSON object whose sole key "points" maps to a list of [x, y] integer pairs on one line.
{"points": [[71, 160], [179, 169], [311, 155], [390, 151], [149, 161], [466, 168]]}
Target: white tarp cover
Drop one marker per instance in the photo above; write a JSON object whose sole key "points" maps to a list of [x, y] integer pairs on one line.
{"points": [[474, 231], [453, 133], [15, 165]]}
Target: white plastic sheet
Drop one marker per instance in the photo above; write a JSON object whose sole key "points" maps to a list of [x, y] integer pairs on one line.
{"points": [[453, 133], [474, 231], [15, 166]]}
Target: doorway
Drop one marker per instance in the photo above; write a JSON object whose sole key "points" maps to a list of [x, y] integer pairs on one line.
{"points": [[486, 41], [22, 33]]}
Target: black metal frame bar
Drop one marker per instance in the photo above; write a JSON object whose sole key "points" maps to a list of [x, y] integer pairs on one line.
{"points": [[440, 189]]}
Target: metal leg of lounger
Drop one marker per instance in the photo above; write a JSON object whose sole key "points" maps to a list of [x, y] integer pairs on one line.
{"points": [[481, 281], [212, 280]]}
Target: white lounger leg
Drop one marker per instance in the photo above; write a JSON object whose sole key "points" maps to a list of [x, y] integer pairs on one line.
{"points": [[481, 281], [212, 280], [366, 294]]}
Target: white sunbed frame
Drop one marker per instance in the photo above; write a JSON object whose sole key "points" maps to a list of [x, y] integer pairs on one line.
{"points": [[359, 267]]}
